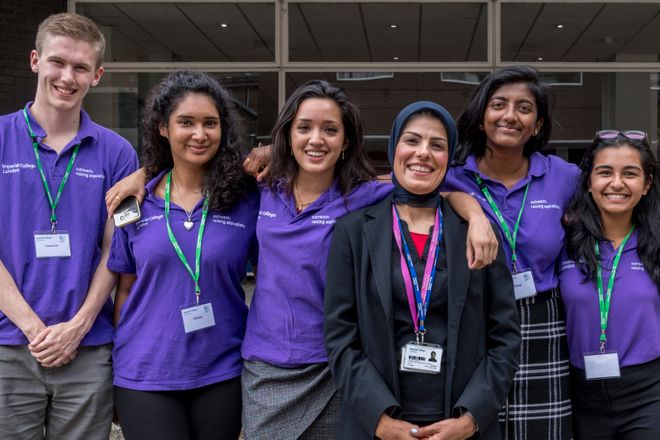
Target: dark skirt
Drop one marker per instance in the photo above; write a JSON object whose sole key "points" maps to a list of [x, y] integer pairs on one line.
{"points": [[539, 404], [288, 403]]}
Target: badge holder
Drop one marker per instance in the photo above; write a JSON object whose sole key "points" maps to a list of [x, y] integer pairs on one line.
{"points": [[197, 317], [420, 357], [523, 284], [52, 244], [602, 365]]}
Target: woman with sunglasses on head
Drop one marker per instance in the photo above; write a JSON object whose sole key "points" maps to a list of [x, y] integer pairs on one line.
{"points": [[420, 346], [180, 309], [610, 278], [525, 193]]}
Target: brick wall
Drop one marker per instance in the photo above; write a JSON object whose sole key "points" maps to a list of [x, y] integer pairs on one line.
{"points": [[18, 26]]}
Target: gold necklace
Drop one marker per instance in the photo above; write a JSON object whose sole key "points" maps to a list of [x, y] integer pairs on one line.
{"points": [[300, 205]]}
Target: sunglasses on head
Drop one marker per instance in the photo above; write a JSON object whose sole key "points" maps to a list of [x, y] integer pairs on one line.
{"points": [[637, 135]]}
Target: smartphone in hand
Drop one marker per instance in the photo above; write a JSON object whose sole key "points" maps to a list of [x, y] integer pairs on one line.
{"points": [[127, 212]]}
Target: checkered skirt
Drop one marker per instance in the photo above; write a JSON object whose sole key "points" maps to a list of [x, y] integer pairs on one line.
{"points": [[539, 405]]}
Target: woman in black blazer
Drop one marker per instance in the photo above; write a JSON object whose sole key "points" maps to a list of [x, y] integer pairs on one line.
{"points": [[388, 312]]}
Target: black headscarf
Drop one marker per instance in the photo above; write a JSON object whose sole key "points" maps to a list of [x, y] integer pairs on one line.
{"points": [[401, 195]]}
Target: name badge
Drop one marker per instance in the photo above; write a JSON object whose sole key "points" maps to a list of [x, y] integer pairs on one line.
{"points": [[421, 358], [49, 244], [602, 365], [523, 284], [197, 317]]}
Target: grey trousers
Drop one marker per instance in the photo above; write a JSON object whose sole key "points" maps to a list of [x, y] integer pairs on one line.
{"points": [[71, 402]]}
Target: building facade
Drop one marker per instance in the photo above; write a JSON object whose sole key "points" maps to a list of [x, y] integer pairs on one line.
{"points": [[602, 58]]}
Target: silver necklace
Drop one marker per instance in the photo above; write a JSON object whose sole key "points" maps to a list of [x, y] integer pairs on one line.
{"points": [[188, 224]]}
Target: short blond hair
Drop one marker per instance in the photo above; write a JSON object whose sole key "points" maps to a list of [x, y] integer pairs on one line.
{"points": [[73, 26]]}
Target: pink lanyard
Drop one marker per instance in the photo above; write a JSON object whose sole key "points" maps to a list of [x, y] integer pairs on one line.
{"points": [[418, 299]]}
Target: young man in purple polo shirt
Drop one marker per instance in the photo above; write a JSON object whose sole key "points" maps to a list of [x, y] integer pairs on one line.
{"points": [[55, 312]]}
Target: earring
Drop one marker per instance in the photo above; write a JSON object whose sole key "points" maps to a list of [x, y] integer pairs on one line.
{"points": [[342, 154], [291, 151]]}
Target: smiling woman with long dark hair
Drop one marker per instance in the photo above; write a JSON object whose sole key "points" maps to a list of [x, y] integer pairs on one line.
{"points": [[319, 172], [525, 193], [610, 278]]}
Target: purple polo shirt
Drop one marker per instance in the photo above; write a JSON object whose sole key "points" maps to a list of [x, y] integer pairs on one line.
{"points": [[633, 328], [540, 235], [55, 288], [285, 324], [151, 350]]}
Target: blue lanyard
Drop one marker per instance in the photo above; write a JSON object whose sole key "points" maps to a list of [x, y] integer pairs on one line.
{"points": [[418, 299]]}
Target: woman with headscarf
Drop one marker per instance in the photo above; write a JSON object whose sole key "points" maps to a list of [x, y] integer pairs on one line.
{"points": [[419, 345]]}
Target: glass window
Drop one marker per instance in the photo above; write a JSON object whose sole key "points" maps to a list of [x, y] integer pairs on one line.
{"points": [[581, 32], [623, 101], [404, 32], [381, 98], [581, 103], [188, 32], [118, 102]]}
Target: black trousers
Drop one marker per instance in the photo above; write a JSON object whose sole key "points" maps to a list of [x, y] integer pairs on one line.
{"points": [[212, 412], [625, 408]]}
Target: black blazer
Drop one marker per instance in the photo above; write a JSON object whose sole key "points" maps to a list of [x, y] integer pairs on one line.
{"points": [[483, 331]]}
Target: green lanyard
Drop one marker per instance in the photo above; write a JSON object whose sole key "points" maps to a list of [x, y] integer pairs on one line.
{"points": [[510, 238], [175, 243], [69, 167], [603, 300]]}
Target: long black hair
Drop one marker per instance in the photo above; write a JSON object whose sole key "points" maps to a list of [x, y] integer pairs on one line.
{"points": [[351, 170], [224, 181], [472, 139], [583, 222]]}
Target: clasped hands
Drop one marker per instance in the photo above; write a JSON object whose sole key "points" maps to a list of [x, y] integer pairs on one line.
{"points": [[56, 345], [459, 428]]}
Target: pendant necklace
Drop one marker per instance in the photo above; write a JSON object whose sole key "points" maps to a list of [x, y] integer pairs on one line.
{"points": [[188, 224], [300, 205]]}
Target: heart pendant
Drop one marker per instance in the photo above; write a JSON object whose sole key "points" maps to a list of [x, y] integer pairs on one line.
{"points": [[188, 225]]}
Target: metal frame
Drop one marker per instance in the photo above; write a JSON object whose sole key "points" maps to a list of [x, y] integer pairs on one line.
{"points": [[281, 65], [613, 67]]}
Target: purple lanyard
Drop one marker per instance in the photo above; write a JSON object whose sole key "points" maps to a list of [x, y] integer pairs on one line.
{"points": [[418, 299]]}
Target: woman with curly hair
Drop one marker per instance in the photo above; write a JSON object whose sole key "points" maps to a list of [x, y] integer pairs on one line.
{"points": [[180, 310], [609, 278]]}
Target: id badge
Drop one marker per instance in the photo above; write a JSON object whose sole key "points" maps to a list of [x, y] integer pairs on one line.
{"points": [[523, 284], [48, 244], [421, 358], [602, 365], [197, 317]]}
